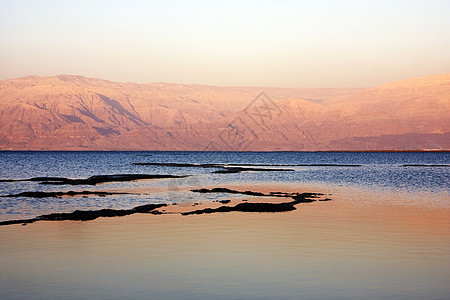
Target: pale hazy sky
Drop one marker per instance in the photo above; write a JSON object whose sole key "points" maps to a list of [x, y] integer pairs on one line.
{"points": [[243, 43]]}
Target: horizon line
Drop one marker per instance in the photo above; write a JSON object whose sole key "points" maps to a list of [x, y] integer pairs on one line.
{"points": [[212, 85]]}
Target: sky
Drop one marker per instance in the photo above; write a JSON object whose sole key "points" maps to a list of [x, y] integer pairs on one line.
{"points": [[240, 43]]}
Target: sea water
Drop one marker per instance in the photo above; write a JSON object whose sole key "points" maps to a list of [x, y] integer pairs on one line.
{"points": [[370, 170], [384, 235]]}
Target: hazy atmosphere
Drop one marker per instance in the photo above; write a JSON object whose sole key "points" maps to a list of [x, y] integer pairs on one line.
{"points": [[240, 43], [224, 149]]}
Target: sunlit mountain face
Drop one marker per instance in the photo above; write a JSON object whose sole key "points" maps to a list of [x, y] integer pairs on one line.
{"points": [[78, 113]]}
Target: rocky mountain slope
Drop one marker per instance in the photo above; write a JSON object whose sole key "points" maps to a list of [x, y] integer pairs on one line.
{"points": [[78, 113]]}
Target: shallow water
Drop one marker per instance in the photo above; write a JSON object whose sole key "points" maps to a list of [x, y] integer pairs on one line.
{"points": [[332, 250], [385, 235], [378, 172]]}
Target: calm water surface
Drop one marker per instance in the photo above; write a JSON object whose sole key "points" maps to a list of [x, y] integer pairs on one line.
{"points": [[386, 234], [378, 171]]}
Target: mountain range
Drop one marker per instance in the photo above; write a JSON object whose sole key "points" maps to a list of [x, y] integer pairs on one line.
{"points": [[68, 112]]}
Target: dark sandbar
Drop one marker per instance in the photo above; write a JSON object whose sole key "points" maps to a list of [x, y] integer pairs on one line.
{"points": [[246, 207], [425, 165], [243, 169], [294, 165], [60, 194], [224, 168], [251, 193], [258, 207], [87, 215], [93, 180], [188, 165]]}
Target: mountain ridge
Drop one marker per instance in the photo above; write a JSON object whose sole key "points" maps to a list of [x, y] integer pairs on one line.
{"points": [[73, 112]]}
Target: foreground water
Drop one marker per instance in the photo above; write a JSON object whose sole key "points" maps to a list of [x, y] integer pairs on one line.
{"points": [[386, 234]]}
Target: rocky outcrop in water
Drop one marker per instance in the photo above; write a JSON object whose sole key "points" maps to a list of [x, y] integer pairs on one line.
{"points": [[61, 194], [87, 215], [93, 180]]}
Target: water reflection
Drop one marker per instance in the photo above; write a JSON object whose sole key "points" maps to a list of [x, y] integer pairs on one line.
{"points": [[353, 247]]}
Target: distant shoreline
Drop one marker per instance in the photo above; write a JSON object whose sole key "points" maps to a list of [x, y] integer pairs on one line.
{"points": [[253, 151]]}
